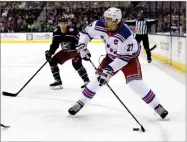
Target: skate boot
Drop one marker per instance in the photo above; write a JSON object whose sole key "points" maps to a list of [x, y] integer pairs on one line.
{"points": [[149, 60], [56, 85], [161, 111], [85, 83], [76, 108]]}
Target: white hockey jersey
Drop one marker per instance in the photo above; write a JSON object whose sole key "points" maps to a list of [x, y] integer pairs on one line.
{"points": [[120, 46]]}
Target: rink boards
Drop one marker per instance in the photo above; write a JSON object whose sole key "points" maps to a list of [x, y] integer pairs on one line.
{"points": [[170, 49]]}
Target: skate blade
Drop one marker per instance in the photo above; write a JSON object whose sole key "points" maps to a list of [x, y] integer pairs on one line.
{"points": [[167, 118], [59, 87]]}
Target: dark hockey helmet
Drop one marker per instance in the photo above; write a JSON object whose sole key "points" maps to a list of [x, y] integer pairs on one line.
{"points": [[62, 19]]}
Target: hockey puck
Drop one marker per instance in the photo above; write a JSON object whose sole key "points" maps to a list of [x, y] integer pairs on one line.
{"points": [[136, 129]]}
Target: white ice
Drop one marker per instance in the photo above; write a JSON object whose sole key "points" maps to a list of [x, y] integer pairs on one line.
{"points": [[39, 113]]}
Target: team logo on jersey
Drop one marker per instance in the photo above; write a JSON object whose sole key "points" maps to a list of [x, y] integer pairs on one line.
{"points": [[66, 45], [71, 29], [90, 24]]}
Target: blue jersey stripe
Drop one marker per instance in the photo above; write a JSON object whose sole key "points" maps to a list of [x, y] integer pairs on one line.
{"points": [[100, 30], [118, 38]]}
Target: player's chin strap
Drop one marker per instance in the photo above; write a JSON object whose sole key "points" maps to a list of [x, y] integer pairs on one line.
{"points": [[114, 25], [142, 128]]}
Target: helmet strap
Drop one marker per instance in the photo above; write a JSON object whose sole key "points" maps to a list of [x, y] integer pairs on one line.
{"points": [[114, 26]]}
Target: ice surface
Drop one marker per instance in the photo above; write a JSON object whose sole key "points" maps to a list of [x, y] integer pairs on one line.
{"points": [[39, 113]]}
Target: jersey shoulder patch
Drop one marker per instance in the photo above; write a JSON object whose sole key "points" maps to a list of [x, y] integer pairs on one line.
{"points": [[100, 26], [71, 29], [123, 33]]}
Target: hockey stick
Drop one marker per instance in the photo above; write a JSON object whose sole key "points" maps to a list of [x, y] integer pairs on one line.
{"points": [[4, 126], [142, 128], [15, 94], [153, 47]]}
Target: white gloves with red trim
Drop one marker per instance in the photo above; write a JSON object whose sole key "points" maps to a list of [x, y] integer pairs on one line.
{"points": [[83, 51]]}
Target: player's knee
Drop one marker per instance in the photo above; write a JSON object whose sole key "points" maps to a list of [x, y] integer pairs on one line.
{"points": [[134, 81], [137, 84], [76, 64], [53, 61]]}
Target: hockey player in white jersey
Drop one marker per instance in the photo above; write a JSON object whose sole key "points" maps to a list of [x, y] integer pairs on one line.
{"points": [[122, 55]]}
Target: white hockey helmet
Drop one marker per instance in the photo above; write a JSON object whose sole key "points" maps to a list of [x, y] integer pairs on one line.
{"points": [[114, 14]]}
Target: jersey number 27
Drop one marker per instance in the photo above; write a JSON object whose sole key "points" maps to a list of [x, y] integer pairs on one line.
{"points": [[130, 47]]}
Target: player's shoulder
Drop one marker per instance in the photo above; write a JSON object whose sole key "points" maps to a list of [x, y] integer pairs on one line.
{"points": [[72, 33], [123, 33], [72, 30], [100, 25]]}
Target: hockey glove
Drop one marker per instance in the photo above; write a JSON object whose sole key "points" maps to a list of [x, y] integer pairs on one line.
{"points": [[105, 76], [48, 55], [83, 51]]}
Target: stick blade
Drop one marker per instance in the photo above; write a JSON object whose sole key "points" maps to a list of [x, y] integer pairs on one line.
{"points": [[153, 47], [9, 94], [5, 126], [142, 128]]}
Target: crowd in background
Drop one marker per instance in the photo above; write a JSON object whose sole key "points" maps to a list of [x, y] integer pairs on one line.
{"points": [[38, 16], [79, 14], [19, 16]]}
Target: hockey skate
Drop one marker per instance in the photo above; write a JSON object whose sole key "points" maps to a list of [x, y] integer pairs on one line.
{"points": [[76, 108], [149, 60], [162, 112], [56, 85], [85, 83]]}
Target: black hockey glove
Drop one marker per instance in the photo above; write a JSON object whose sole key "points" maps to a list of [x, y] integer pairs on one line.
{"points": [[48, 55]]}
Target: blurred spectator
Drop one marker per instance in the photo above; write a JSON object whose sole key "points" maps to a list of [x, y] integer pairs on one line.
{"points": [[19, 16], [41, 16]]}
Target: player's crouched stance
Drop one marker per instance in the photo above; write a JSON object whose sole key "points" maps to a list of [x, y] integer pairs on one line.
{"points": [[68, 39], [122, 54]]}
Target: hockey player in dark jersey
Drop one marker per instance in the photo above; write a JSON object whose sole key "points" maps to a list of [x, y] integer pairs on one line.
{"points": [[68, 39]]}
